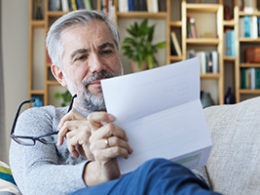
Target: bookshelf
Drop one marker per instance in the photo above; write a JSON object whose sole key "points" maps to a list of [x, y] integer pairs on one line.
{"points": [[174, 16]]}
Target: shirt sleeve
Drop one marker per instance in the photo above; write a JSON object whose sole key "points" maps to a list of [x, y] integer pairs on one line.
{"points": [[37, 169]]}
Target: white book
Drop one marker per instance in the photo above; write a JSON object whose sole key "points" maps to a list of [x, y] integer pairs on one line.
{"points": [[65, 5], [176, 43], [253, 27], [215, 62], [241, 27], [252, 78], [155, 7], [161, 113], [123, 5], [249, 6]]}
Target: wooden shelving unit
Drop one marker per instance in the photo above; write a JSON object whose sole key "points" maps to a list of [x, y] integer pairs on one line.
{"points": [[174, 21], [240, 58]]}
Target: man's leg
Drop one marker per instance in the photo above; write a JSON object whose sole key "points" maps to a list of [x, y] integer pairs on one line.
{"points": [[157, 176]]}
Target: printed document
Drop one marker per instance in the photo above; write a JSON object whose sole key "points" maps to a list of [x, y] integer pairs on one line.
{"points": [[161, 113]]}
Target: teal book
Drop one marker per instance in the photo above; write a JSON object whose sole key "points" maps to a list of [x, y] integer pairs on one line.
{"points": [[247, 27], [257, 78], [244, 78]]}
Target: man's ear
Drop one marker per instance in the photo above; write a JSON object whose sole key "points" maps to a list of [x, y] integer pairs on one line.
{"points": [[58, 74]]}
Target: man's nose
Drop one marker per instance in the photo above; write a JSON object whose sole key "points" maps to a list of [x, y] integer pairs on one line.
{"points": [[95, 63]]}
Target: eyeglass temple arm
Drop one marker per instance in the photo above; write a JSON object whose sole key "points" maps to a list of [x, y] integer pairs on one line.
{"points": [[18, 111], [71, 103]]}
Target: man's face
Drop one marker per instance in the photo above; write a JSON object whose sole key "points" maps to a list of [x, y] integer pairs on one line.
{"points": [[90, 55]]}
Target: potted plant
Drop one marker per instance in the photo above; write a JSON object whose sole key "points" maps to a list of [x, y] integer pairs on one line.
{"points": [[139, 47]]}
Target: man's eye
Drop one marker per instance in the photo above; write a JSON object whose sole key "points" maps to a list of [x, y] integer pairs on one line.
{"points": [[83, 57], [107, 52]]}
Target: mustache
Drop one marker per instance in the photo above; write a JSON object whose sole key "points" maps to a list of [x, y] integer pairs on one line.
{"points": [[97, 76]]}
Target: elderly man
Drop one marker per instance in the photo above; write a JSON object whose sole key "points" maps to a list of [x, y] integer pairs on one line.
{"points": [[84, 48]]}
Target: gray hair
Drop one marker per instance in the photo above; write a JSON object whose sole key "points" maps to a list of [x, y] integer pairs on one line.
{"points": [[53, 43]]}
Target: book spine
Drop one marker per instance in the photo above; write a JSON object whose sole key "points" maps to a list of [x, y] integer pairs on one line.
{"points": [[247, 26], [215, 62], [193, 28], [241, 27], [130, 5], [228, 42], [65, 5], [253, 26], [73, 5], [258, 26], [155, 7], [79, 4], [252, 73], [257, 78], [123, 6]]}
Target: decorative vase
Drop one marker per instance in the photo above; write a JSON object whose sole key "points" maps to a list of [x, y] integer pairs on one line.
{"points": [[135, 68]]}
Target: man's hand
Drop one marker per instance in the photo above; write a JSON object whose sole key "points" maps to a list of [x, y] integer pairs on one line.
{"points": [[77, 130], [97, 139]]}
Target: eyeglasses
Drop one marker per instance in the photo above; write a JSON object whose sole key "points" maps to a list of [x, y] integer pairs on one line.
{"points": [[48, 138]]}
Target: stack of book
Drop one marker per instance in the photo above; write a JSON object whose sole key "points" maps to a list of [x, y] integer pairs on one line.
{"points": [[249, 27], [69, 5], [230, 42], [141, 5], [250, 78], [209, 61]]}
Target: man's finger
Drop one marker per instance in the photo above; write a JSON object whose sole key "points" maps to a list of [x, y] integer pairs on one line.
{"points": [[96, 118]]}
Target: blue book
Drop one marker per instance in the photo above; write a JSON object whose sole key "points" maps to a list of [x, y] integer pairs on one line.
{"points": [[80, 4], [258, 26], [130, 5], [247, 26], [228, 42], [233, 43]]}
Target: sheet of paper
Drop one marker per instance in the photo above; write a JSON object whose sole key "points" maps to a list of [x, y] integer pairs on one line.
{"points": [[160, 111]]}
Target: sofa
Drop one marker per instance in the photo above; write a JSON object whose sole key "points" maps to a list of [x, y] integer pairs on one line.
{"points": [[233, 167]]}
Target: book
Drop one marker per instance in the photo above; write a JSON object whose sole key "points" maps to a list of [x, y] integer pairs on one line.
{"points": [[249, 6], [252, 78], [215, 60], [241, 27], [247, 26], [193, 28], [73, 5], [79, 4], [88, 4], [130, 5], [257, 78], [258, 26], [230, 42], [54, 5], [155, 7], [189, 35], [176, 43], [123, 6], [65, 5], [253, 27], [178, 125]]}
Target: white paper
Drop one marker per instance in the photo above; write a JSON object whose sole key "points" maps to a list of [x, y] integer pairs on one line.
{"points": [[160, 111]]}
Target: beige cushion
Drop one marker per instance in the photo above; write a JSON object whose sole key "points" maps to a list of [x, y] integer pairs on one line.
{"points": [[234, 163]]}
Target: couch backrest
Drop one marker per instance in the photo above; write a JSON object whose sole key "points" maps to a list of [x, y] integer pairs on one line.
{"points": [[234, 163]]}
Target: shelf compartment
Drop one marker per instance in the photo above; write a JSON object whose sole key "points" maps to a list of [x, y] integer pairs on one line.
{"points": [[203, 41], [209, 76], [249, 40], [249, 14], [56, 13], [52, 82], [141, 14], [230, 23], [176, 58], [176, 24], [38, 23], [229, 58], [202, 7], [250, 65], [37, 92], [249, 91]]}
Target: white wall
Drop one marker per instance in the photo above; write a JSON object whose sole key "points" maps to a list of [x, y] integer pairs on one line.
{"points": [[15, 58]]}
